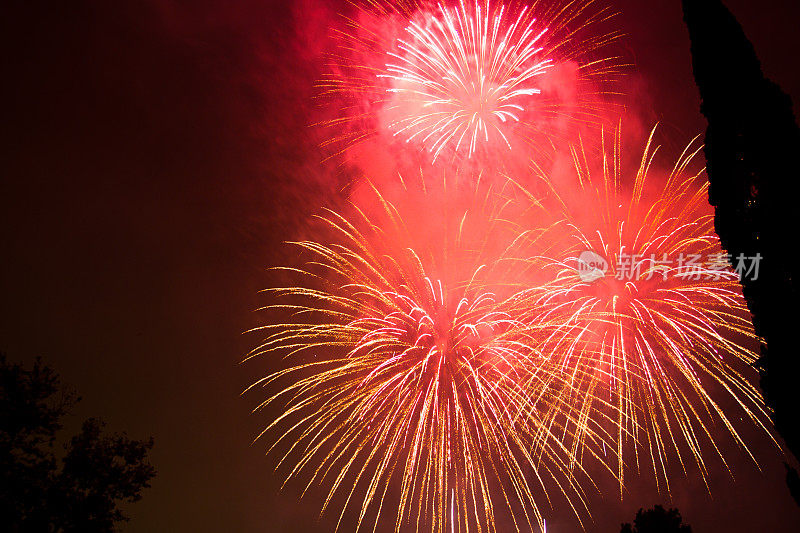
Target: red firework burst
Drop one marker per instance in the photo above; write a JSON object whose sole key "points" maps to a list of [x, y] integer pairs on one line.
{"points": [[472, 80], [653, 333]]}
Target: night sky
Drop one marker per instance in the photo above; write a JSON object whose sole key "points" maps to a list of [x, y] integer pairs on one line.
{"points": [[155, 154]]}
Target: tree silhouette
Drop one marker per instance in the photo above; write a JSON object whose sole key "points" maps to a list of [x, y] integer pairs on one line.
{"points": [[657, 520], [79, 490], [752, 143]]}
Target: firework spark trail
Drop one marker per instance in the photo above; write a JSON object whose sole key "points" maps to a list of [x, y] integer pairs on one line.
{"points": [[480, 76], [402, 378], [652, 351], [468, 72]]}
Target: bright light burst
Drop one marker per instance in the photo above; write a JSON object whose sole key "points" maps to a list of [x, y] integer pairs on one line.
{"points": [[471, 78], [658, 350], [408, 394], [463, 74], [423, 385]]}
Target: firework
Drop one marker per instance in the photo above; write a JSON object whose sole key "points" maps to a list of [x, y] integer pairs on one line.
{"points": [[409, 393], [652, 331], [468, 73], [475, 78]]}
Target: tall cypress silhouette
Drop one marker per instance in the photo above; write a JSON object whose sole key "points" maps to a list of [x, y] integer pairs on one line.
{"points": [[753, 154]]}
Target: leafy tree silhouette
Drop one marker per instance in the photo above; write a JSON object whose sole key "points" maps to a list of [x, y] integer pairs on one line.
{"points": [[657, 520], [79, 490]]}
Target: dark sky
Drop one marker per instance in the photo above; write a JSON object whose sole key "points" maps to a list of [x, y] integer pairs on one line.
{"points": [[154, 156]]}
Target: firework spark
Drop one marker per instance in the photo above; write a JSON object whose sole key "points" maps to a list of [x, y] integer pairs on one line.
{"points": [[469, 71], [480, 76], [404, 379], [657, 346]]}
